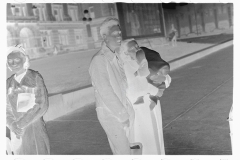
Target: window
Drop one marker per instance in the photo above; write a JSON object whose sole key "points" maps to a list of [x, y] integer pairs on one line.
{"points": [[38, 10], [139, 20], [63, 37], [91, 12], [73, 12], [39, 13], [57, 12], [78, 36], [45, 38], [18, 11]]}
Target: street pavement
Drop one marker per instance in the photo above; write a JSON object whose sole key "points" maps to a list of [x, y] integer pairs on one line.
{"points": [[194, 108]]}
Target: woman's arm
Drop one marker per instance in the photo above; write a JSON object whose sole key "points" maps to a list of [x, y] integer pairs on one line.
{"points": [[39, 108], [10, 117]]}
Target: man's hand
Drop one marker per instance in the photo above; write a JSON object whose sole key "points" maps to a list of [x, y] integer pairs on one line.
{"points": [[18, 131]]}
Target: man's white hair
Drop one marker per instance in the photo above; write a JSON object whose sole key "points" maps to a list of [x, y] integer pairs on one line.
{"points": [[107, 24], [19, 48]]}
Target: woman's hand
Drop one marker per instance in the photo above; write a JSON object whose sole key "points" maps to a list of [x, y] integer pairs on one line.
{"points": [[18, 131]]}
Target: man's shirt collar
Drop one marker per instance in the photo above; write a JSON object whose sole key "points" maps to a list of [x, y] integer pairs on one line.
{"points": [[110, 55]]}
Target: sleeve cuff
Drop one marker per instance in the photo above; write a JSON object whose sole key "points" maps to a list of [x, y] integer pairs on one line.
{"points": [[123, 116]]}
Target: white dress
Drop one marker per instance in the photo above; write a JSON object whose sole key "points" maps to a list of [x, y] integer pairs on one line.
{"points": [[147, 126]]}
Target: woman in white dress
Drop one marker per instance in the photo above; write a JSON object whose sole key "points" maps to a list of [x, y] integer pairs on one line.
{"points": [[147, 126]]}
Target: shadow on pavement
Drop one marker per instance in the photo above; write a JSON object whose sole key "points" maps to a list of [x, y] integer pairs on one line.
{"points": [[78, 133]]}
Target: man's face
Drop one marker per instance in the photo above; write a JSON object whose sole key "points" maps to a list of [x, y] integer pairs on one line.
{"points": [[114, 37], [15, 61], [133, 48]]}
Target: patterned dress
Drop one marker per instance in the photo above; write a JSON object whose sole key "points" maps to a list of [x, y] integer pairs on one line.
{"points": [[35, 140]]}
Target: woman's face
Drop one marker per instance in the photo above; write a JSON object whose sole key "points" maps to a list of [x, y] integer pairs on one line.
{"points": [[132, 49], [16, 61]]}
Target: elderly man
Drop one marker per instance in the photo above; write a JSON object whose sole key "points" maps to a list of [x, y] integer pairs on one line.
{"points": [[114, 111]]}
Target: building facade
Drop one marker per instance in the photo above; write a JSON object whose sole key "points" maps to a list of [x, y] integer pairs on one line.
{"points": [[198, 19], [52, 28]]}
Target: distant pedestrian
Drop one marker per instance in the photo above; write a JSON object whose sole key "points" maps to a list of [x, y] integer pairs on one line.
{"points": [[27, 102], [173, 36]]}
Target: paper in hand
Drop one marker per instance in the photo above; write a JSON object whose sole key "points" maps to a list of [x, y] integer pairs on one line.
{"points": [[25, 102]]}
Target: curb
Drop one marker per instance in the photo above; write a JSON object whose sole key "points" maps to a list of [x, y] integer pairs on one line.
{"points": [[66, 102], [189, 58]]}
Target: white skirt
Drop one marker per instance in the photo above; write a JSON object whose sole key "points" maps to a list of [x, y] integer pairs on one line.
{"points": [[147, 128]]}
